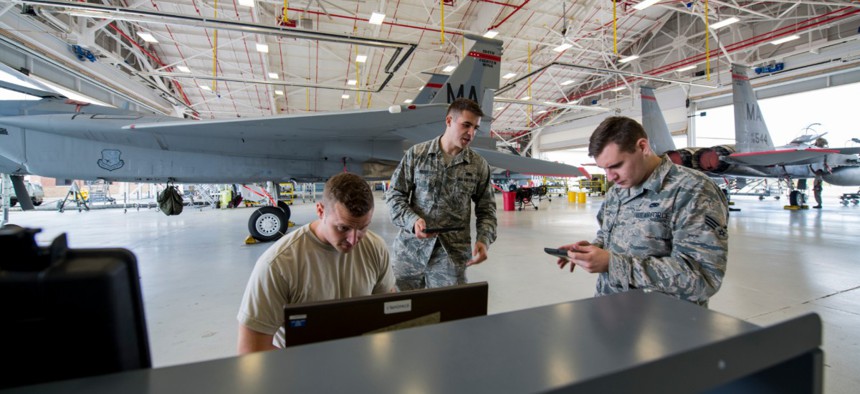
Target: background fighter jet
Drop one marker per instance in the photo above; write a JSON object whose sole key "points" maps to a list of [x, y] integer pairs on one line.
{"points": [[753, 155], [60, 138]]}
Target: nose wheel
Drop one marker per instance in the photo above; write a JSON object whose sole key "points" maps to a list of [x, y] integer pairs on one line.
{"points": [[269, 223]]}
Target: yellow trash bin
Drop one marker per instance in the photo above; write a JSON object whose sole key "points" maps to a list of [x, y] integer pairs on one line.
{"points": [[571, 196], [580, 198], [225, 198]]}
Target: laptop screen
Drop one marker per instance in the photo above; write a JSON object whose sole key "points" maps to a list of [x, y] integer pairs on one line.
{"points": [[326, 320]]}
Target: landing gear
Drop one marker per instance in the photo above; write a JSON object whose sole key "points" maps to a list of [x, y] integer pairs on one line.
{"points": [[797, 198], [269, 223]]}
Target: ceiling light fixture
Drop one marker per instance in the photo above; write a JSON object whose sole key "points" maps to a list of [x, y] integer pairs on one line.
{"points": [[262, 48], [204, 87], [491, 34], [645, 4], [562, 47], [279, 92], [724, 23], [509, 75], [448, 69], [246, 3], [628, 59], [499, 108], [785, 39], [568, 82], [351, 82], [618, 89], [273, 75], [147, 37], [688, 68], [376, 18], [525, 98], [360, 58], [344, 96], [183, 69], [408, 101]]}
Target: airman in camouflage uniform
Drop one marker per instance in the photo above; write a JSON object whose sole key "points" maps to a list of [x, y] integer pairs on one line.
{"points": [[433, 187], [662, 226]]}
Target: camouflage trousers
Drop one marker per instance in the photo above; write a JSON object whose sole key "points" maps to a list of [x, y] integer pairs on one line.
{"points": [[440, 271]]}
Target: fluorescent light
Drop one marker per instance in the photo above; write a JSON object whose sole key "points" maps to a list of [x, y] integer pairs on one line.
{"points": [[147, 37], [344, 96], [360, 58], [628, 59], [785, 39], [499, 108], [376, 18], [562, 47], [491, 34], [407, 101], [724, 23], [246, 3], [645, 4], [618, 89], [525, 98], [448, 69], [279, 92], [568, 82], [351, 82], [273, 75], [688, 68], [204, 87], [262, 48], [183, 69], [509, 75]]}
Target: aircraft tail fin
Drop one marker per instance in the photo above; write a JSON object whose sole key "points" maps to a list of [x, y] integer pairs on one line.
{"points": [[478, 71], [654, 123], [751, 134], [428, 92]]}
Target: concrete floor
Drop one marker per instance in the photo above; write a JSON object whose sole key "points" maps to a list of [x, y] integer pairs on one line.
{"points": [[194, 268]]}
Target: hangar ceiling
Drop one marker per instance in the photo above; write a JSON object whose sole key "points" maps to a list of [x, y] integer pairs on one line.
{"points": [[230, 58]]}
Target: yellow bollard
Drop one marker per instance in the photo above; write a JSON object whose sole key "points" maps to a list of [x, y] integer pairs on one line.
{"points": [[580, 198], [571, 196]]}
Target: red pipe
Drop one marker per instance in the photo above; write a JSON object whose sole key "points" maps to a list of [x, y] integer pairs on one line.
{"points": [[498, 3], [153, 57], [509, 15]]}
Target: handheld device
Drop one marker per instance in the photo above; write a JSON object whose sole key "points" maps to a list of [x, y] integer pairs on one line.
{"points": [[442, 229], [556, 252]]}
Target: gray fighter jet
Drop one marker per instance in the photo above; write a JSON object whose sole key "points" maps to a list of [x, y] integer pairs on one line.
{"points": [[754, 155], [61, 138]]}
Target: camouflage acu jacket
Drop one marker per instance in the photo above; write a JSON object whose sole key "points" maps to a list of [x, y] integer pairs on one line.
{"points": [[423, 186], [668, 234]]}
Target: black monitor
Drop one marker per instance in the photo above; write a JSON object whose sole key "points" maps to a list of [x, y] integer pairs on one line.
{"points": [[325, 320], [67, 313]]}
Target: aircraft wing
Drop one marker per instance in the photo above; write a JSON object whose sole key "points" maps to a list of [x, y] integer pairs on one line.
{"points": [[359, 125], [853, 150], [528, 165], [778, 157]]}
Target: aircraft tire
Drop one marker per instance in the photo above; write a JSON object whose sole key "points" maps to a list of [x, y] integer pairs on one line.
{"points": [[796, 198], [268, 223]]}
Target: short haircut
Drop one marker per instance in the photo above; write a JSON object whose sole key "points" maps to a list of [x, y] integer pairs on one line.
{"points": [[350, 190], [463, 104], [621, 130]]}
